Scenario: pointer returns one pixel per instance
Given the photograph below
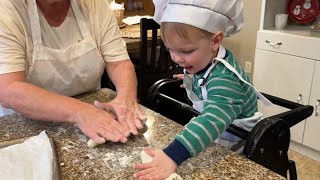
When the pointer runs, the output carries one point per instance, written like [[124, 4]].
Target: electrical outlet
[[247, 68]]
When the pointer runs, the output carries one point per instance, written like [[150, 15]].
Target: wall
[[243, 44], [137, 7]]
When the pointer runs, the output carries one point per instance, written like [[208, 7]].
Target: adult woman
[[52, 49]]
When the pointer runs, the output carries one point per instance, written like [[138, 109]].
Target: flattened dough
[[92, 144], [145, 158]]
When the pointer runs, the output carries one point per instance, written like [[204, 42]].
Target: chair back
[[155, 62], [153, 52]]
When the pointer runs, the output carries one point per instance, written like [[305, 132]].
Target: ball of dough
[[91, 143]]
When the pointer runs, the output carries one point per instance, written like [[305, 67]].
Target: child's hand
[[161, 166], [179, 77]]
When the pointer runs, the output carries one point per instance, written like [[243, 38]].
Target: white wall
[[243, 44]]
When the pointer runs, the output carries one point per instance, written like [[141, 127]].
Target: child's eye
[[187, 52]]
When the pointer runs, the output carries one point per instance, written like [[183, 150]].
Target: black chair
[[268, 142], [106, 82], [154, 62]]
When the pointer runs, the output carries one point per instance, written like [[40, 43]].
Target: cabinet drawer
[[301, 46]]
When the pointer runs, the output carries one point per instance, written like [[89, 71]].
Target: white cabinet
[[287, 65], [312, 128], [284, 76]]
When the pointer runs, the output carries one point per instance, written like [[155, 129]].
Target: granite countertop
[[114, 160]]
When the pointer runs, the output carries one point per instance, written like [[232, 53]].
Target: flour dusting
[[125, 160], [61, 130], [120, 159]]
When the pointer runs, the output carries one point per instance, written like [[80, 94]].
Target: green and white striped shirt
[[228, 99]]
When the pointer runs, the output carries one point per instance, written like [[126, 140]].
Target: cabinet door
[[284, 76], [312, 129]]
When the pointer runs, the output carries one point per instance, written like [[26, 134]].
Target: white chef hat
[[210, 15]]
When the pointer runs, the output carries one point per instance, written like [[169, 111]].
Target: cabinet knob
[[274, 44], [299, 98], [316, 108]]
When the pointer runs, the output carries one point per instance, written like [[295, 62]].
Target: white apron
[[71, 71], [226, 139]]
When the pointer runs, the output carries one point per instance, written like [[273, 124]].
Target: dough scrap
[[150, 118], [145, 158], [91, 143]]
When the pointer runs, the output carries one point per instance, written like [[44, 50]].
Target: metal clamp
[[274, 44], [316, 108]]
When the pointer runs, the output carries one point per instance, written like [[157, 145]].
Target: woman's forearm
[[40, 104], [123, 76]]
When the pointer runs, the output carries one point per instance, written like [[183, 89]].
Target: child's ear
[[217, 40]]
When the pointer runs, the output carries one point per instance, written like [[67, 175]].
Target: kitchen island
[[114, 160]]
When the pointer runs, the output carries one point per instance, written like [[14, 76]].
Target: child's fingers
[[178, 76], [144, 172], [156, 175], [149, 151], [142, 166]]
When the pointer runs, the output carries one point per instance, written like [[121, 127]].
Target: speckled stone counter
[[114, 160]]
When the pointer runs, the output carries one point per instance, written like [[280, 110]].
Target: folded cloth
[[30, 160]]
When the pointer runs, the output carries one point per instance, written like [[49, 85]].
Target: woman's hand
[[126, 111], [161, 166], [99, 125]]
